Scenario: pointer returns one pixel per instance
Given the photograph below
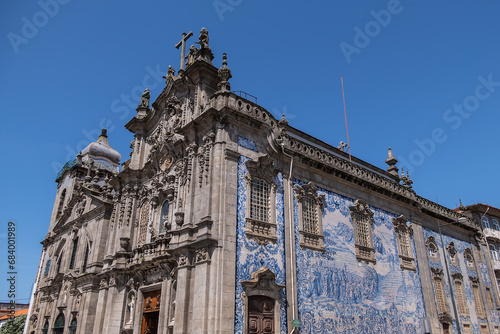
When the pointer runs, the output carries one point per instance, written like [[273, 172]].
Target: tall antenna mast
[[345, 116]]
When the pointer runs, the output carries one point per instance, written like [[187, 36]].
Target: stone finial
[[405, 179], [391, 161], [461, 207], [283, 120], [224, 75]]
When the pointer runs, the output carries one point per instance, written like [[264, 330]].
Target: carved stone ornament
[[103, 284], [179, 218], [112, 281], [445, 318], [124, 244], [263, 169], [435, 272], [183, 260], [202, 255], [453, 253], [167, 162], [457, 276], [262, 282]]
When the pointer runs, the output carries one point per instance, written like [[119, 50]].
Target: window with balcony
[[261, 200]]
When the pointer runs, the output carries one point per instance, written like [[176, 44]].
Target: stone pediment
[[262, 280]]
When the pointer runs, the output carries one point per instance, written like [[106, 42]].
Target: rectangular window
[[309, 215], [84, 267], [490, 298], [440, 295], [47, 268], [467, 328], [259, 200], [73, 254], [477, 300], [462, 304]]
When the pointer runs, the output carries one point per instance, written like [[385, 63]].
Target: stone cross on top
[[183, 49]]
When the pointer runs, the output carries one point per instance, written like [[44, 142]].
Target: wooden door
[[260, 315], [151, 312]]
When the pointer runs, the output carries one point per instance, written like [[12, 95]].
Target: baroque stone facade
[[227, 220]]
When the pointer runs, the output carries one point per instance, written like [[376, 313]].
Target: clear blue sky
[[405, 65]]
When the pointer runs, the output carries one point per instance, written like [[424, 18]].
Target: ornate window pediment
[[432, 248], [362, 221], [452, 252], [403, 237], [261, 200], [469, 259], [310, 215]]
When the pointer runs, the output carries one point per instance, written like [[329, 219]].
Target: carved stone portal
[[261, 300]]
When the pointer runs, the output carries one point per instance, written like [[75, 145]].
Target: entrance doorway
[[151, 312], [260, 315]]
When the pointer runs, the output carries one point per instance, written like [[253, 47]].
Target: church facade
[[228, 220]]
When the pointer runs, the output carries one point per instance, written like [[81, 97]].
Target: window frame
[[403, 230], [362, 218], [308, 194], [262, 232], [431, 243], [485, 222]]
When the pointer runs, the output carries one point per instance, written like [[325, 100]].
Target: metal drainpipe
[[293, 269]]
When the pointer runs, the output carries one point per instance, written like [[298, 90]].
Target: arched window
[[86, 257], [59, 264], [495, 224], [60, 207], [73, 254], [72, 326], [59, 324], [164, 224], [45, 328], [486, 222], [47, 268]]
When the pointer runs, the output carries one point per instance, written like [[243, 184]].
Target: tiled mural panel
[[251, 256], [339, 295], [466, 272]]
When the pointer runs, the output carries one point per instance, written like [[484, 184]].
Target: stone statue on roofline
[[205, 52], [145, 99]]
